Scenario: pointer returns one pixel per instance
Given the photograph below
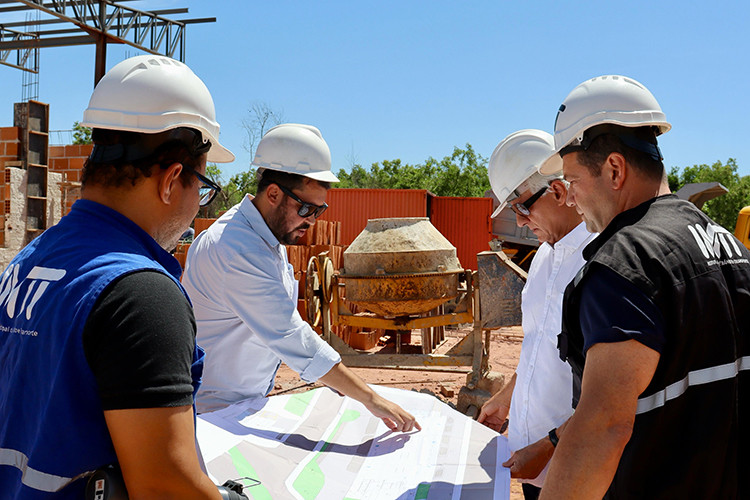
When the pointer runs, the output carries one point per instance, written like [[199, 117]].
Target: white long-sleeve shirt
[[543, 394], [245, 298]]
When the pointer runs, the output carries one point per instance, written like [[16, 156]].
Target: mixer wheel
[[312, 293]]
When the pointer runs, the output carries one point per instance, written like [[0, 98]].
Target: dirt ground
[[505, 347]]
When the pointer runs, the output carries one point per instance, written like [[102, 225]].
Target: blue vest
[[52, 427]]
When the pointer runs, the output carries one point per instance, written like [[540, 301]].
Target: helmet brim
[[219, 154], [551, 165], [499, 209], [325, 176]]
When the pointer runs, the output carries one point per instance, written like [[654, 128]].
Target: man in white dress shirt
[[243, 288], [538, 398]]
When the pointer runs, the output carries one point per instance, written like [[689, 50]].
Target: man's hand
[[342, 380], [493, 414], [529, 462], [393, 416], [495, 410]]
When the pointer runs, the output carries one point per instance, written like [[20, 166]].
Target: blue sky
[[412, 79]]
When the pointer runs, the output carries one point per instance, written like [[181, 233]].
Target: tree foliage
[[722, 209], [462, 173], [232, 191], [81, 134]]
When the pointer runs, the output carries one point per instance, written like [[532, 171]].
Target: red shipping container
[[353, 207], [466, 223]]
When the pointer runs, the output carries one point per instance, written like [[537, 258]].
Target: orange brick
[[9, 133], [56, 151], [72, 150], [76, 163], [59, 164], [73, 175], [11, 149], [86, 149]]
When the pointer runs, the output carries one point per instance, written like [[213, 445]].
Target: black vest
[[691, 430]]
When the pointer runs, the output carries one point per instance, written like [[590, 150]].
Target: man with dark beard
[[243, 288]]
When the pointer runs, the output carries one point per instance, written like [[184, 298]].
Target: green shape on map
[[244, 469], [311, 479], [422, 490], [298, 403]]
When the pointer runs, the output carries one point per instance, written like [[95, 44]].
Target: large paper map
[[319, 445]]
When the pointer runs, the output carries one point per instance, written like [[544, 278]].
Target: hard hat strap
[[127, 147]]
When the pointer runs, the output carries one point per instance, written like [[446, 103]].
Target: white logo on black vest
[[715, 242], [39, 279]]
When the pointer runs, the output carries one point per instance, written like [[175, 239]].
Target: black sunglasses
[[307, 209], [208, 190], [525, 207]]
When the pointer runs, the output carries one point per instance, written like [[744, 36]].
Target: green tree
[[232, 191], [81, 134], [462, 173], [723, 209]]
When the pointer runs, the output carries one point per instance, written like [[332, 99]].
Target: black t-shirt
[[139, 341], [615, 310]]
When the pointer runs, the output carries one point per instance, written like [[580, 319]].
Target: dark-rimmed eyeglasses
[[208, 190], [306, 209], [525, 207]]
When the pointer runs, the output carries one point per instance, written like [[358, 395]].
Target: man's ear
[[167, 186], [559, 192], [274, 195], [616, 170]]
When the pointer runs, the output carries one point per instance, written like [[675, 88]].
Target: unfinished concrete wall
[[15, 218], [68, 161]]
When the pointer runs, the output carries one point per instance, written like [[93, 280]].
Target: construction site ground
[[505, 347]]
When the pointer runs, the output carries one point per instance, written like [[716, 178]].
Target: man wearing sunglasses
[[243, 287], [99, 359], [538, 396]]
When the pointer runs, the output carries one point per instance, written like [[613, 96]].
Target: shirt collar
[[256, 221], [575, 238]]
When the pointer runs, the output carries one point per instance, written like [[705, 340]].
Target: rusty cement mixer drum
[[399, 267]]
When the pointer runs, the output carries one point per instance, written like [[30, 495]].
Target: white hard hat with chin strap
[[152, 94], [614, 100], [295, 149], [514, 160]]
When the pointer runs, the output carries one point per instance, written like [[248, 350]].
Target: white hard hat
[[515, 159], [611, 99], [295, 149], [151, 94]]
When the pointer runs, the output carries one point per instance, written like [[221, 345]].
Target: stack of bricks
[[10, 144], [69, 160], [10, 147]]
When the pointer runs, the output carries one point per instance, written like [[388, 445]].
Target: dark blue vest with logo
[[52, 428], [690, 436]]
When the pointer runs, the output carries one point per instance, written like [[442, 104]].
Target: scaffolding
[[94, 22]]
